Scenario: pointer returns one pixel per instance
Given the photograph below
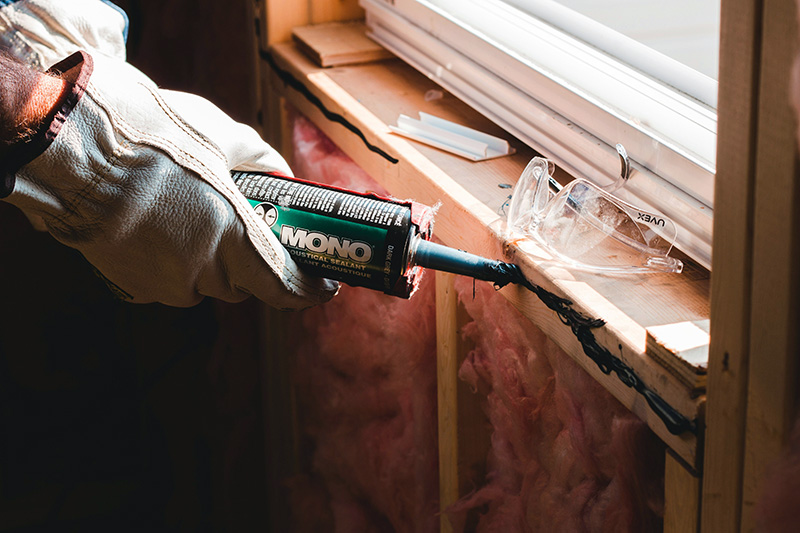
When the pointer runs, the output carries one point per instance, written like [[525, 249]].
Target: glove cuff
[[76, 71]]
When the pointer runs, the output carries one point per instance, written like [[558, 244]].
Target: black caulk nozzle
[[437, 257]]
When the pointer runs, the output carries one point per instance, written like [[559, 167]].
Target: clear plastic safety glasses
[[586, 227]]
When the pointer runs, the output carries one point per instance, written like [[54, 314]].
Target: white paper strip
[[449, 136]]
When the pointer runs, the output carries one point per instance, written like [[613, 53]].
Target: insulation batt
[[564, 454], [366, 387]]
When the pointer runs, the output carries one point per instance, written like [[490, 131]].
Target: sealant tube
[[360, 239]]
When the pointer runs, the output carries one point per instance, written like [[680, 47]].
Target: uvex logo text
[[650, 219]]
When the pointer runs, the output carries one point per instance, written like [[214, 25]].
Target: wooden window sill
[[655, 324]]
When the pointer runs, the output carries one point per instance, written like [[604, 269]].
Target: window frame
[[574, 129], [753, 115]]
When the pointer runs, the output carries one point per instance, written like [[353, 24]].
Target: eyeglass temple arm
[[624, 170], [624, 173]]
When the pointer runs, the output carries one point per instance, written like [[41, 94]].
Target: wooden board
[[351, 106], [464, 430], [681, 498], [732, 251], [775, 310], [447, 396], [338, 43]]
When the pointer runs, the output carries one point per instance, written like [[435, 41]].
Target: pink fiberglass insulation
[[366, 389], [565, 455], [365, 379]]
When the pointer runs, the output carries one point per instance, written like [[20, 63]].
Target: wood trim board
[[338, 43], [732, 249], [775, 311]]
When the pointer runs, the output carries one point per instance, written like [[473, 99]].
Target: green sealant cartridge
[[361, 239]]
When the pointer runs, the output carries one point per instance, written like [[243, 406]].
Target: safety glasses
[[586, 227]]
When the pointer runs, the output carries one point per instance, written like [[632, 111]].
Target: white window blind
[[539, 78]]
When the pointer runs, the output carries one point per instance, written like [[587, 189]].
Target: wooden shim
[[470, 197], [338, 43]]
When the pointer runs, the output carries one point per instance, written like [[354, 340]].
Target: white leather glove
[[43, 32], [138, 180]]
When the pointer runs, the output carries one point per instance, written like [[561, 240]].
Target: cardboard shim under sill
[[451, 137], [682, 348]]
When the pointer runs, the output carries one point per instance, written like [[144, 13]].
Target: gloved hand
[[138, 180], [43, 32]]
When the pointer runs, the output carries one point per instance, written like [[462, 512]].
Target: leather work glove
[[138, 180], [43, 32]]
